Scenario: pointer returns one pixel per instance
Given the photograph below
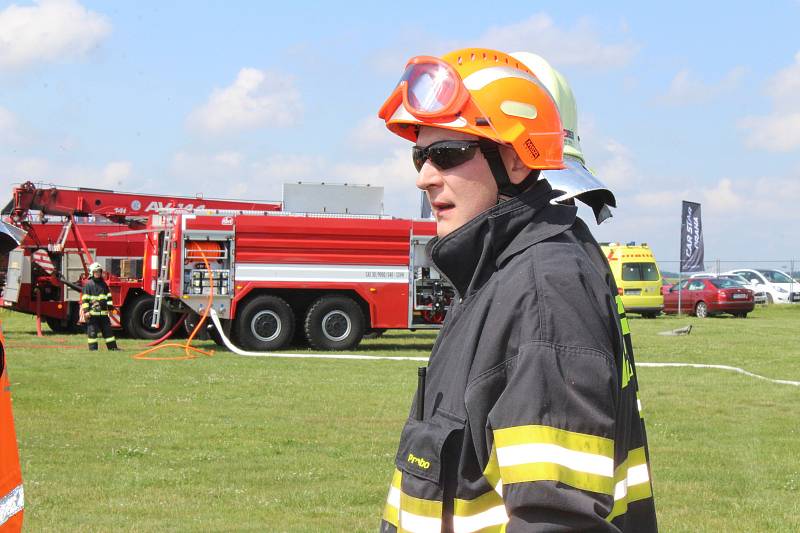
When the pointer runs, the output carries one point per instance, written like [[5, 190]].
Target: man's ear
[[517, 170]]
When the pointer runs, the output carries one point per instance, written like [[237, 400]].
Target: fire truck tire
[[264, 323], [334, 323], [138, 315]]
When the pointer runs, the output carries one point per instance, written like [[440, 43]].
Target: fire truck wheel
[[334, 323], [138, 316], [265, 323]]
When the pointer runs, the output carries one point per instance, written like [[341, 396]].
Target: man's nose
[[428, 176]]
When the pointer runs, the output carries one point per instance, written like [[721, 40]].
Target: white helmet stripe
[[480, 79], [401, 113]]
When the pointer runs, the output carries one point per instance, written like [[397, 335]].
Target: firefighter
[[527, 418], [96, 303], [11, 492]]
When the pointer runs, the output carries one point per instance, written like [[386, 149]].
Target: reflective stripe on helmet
[[480, 79]]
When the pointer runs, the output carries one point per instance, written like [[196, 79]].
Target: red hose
[[168, 334]]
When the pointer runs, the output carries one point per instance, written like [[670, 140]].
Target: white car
[[780, 288]]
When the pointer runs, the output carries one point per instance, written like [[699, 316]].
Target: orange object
[[11, 493], [481, 92]]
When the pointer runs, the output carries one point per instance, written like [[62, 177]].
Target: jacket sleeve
[[551, 437]]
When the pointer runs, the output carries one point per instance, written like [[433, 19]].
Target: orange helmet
[[482, 92]]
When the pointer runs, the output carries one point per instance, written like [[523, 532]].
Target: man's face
[[459, 194], [98, 273]]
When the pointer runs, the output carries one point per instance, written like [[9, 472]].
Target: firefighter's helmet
[[481, 92], [94, 267], [575, 180]]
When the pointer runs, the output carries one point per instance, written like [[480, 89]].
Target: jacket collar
[[471, 254]]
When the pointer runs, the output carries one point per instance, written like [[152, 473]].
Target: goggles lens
[[431, 86], [444, 154]]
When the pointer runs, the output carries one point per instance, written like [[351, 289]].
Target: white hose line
[[238, 351], [721, 367]]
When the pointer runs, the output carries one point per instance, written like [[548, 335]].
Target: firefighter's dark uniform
[[96, 302], [531, 414]]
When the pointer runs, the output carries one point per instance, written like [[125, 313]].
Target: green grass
[[249, 444]]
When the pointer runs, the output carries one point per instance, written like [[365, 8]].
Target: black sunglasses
[[444, 154]]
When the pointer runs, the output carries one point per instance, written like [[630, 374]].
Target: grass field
[[229, 443]]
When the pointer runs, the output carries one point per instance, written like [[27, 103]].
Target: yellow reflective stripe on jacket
[[543, 453], [89, 297], [98, 313], [85, 306], [391, 512], [408, 513], [626, 329], [492, 472], [484, 514], [631, 482]]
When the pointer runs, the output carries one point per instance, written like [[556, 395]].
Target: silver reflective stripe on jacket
[[11, 504]]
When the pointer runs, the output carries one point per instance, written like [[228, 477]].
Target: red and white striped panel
[[42, 258]]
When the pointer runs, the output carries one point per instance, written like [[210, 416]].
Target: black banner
[[691, 238]]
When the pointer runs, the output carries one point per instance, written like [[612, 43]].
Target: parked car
[[709, 296], [759, 296], [777, 285]]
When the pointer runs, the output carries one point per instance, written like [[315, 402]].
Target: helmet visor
[[431, 87]]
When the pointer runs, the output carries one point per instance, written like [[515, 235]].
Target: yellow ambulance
[[637, 277]]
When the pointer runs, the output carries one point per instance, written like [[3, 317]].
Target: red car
[[709, 296]]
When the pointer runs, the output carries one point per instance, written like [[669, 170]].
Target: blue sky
[[691, 100]]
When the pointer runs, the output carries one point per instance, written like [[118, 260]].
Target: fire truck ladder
[[163, 273]]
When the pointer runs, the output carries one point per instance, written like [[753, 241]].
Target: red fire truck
[[87, 225], [276, 277]]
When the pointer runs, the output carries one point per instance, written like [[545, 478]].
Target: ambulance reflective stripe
[[479, 514], [410, 514], [542, 453], [631, 482], [11, 504]]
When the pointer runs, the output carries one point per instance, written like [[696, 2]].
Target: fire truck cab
[[275, 277]]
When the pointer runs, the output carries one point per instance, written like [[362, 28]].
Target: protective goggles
[[429, 88], [444, 154]]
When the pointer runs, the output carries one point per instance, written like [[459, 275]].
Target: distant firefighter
[[96, 303]]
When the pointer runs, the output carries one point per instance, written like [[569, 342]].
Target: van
[[637, 277]]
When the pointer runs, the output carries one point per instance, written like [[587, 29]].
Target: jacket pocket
[[422, 443]]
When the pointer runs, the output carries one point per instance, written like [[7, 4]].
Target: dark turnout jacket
[[531, 419], [96, 298]]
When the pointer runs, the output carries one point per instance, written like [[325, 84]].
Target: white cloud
[[615, 165], [257, 98], [685, 89], [778, 131], [49, 30], [576, 45], [116, 174], [785, 86], [395, 173], [370, 134], [722, 198]]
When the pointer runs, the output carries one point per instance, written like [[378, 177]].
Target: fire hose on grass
[[190, 352]]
